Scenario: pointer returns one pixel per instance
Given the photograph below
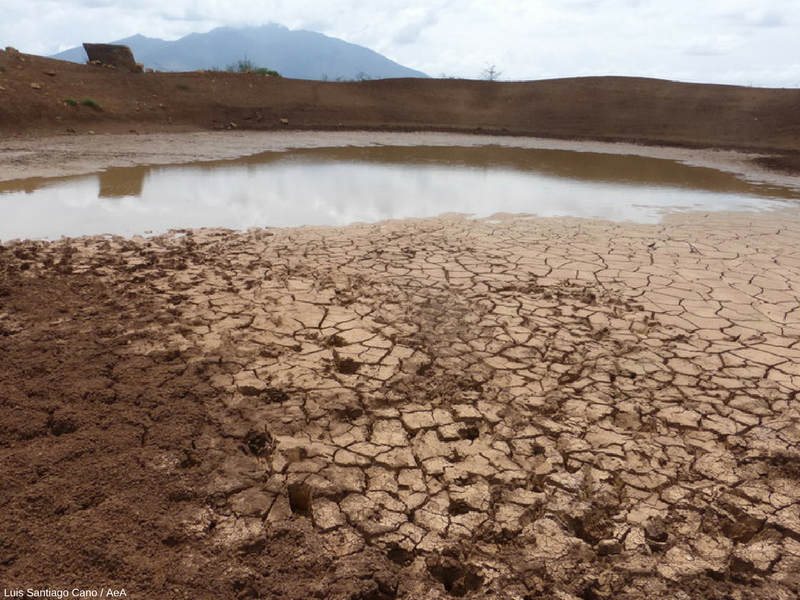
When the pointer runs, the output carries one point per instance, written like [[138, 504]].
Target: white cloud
[[748, 41], [714, 45]]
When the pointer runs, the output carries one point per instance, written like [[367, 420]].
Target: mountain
[[293, 53]]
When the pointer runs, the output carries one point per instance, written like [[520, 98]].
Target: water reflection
[[336, 186], [118, 183]]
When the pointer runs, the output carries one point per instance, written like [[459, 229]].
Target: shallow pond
[[337, 186]]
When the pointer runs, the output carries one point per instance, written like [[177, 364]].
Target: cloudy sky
[[748, 42]]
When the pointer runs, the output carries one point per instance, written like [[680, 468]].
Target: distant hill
[[299, 54]]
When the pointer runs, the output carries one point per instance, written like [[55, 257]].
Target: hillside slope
[[603, 108], [299, 54]]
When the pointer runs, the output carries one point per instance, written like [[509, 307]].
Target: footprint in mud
[[258, 443], [301, 498], [61, 424], [400, 556], [345, 365], [457, 577]]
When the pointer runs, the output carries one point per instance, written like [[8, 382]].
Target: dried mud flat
[[516, 408]]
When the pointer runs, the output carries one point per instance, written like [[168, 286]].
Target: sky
[[743, 42]]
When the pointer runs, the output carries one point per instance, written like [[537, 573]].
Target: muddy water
[[337, 186]]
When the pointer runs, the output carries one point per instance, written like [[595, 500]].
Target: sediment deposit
[[516, 407]]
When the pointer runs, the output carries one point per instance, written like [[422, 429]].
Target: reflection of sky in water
[[289, 193]]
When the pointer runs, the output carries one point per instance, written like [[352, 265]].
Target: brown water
[[337, 186]]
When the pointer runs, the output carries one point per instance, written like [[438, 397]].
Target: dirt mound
[[41, 95]]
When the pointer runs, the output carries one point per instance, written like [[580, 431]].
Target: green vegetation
[[241, 66], [247, 66], [183, 86], [85, 102], [91, 104], [360, 76], [2, 68], [266, 72]]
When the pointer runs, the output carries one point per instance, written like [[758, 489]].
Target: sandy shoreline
[[79, 154]]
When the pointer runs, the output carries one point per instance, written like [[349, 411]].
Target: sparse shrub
[[360, 76], [71, 101], [2, 68], [266, 72], [491, 73], [242, 66], [182, 86], [246, 66], [91, 104]]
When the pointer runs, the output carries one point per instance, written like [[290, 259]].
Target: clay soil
[[35, 94], [423, 409], [439, 408]]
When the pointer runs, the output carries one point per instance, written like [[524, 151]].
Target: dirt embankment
[[37, 94]]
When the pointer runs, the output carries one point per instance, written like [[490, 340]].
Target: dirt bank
[[44, 96], [55, 156], [533, 408]]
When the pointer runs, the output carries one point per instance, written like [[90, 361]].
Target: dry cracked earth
[[517, 408]]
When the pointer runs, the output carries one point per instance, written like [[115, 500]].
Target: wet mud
[[37, 158], [515, 408]]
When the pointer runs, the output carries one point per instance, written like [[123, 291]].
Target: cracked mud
[[522, 408]]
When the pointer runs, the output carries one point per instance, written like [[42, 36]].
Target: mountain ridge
[[299, 54]]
